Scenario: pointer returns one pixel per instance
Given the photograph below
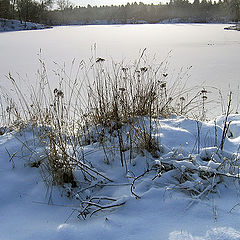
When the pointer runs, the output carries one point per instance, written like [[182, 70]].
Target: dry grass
[[115, 104], [116, 107]]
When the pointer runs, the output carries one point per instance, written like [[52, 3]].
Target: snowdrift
[[187, 189]]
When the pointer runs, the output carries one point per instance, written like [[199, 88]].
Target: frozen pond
[[212, 51]]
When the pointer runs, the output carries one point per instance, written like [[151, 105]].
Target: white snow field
[[212, 51], [209, 52], [163, 204]]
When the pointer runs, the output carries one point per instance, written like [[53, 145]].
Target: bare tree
[[63, 4], [235, 9]]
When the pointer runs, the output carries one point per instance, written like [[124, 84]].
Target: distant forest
[[64, 12]]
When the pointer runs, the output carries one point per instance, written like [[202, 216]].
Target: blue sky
[[110, 2]]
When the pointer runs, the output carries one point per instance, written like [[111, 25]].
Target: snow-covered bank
[[106, 22], [234, 27], [178, 203], [16, 25], [132, 21]]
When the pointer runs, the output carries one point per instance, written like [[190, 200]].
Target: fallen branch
[[92, 207], [135, 179], [234, 207], [84, 166]]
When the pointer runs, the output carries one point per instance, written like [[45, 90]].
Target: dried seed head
[[163, 84], [122, 89], [182, 99], [143, 69], [55, 91], [100, 60], [60, 94]]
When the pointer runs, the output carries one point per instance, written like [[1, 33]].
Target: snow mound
[[234, 27], [15, 25], [189, 184], [234, 124], [223, 233]]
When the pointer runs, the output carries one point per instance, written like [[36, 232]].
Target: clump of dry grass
[[126, 92], [113, 104]]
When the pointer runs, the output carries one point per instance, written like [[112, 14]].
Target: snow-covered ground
[[176, 201], [234, 27], [16, 25], [175, 204]]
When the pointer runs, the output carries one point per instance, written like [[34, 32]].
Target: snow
[[202, 45], [32, 209], [235, 27], [215, 233], [234, 124], [16, 25]]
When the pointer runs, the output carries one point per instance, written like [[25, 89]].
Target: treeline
[[175, 10], [26, 10]]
